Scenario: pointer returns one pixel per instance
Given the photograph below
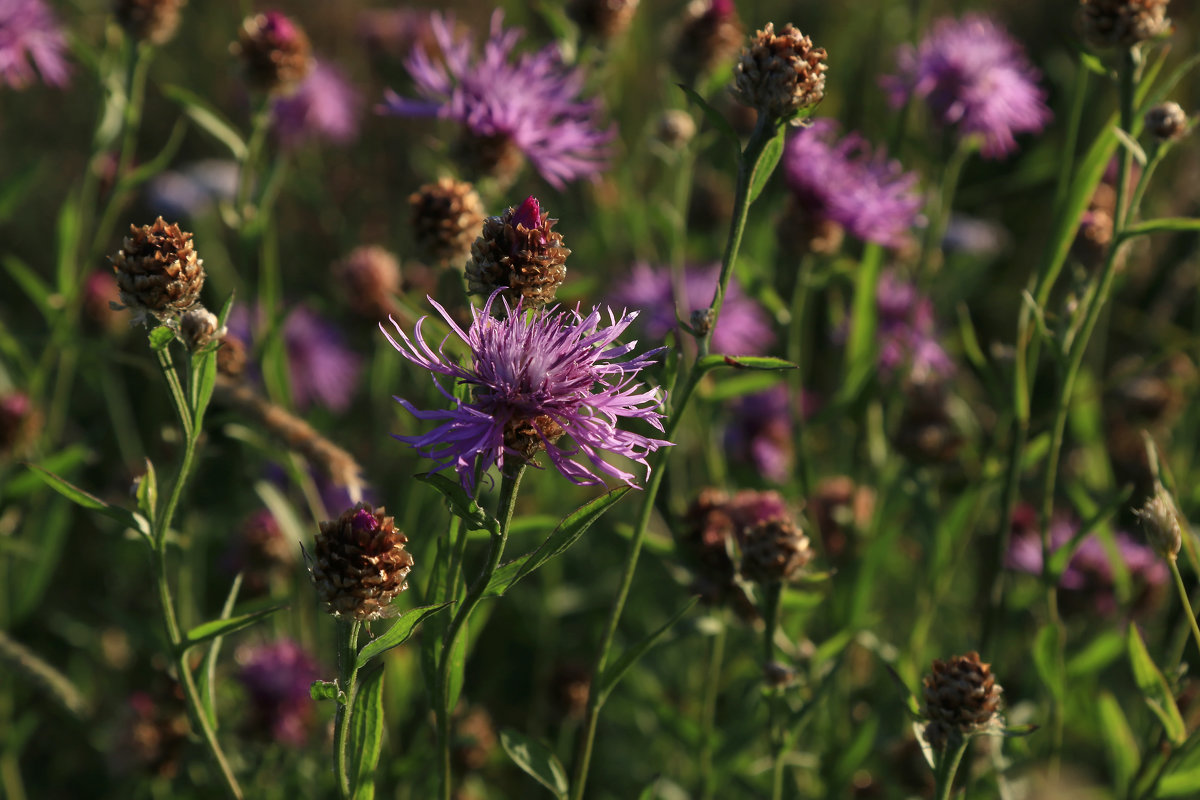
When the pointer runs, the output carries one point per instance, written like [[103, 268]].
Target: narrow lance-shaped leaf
[[223, 627], [91, 502], [537, 760], [1154, 687], [614, 672], [714, 117], [398, 634], [461, 505], [366, 733], [743, 362], [767, 162]]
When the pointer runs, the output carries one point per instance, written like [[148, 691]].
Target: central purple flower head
[[531, 101], [971, 73], [843, 181], [29, 37], [540, 374]]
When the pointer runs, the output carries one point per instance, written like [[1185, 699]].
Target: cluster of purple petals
[[30, 37], [743, 328], [277, 677], [322, 369], [559, 364], [760, 432], [531, 99], [1090, 570], [843, 181], [972, 74], [325, 106], [907, 331]]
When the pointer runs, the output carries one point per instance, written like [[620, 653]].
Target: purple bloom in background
[[193, 189], [907, 332], [29, 37], [323, 370], [324, 106], [277, 677], [760, 432], [843, 181], [743, 328], [530, 101], [535, 377], [972, 74], [1089, 573]]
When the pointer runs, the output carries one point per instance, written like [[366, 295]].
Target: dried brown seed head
[[780, 74], [1122, 23], [519, 250], [604, 19], [446, 217], [359, 564], [773, 550], [275, 52], [961, 698], [369, 277], [153, 21], [158, 270], [710, 36]]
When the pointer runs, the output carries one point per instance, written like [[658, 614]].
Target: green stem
[[347, 652], [260, 125], [509, 485], [947, 765], [772, 596], [1183, 598], [708, 714]]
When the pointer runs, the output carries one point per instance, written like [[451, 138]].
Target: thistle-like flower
[[973, 75], [158, 270], [780, 74], [518, 252], [961, 698], [30, 37], [151, 21], [510, 107], [275, 52], [359, 564], [446, 218], [534, 378], [1122, 23], [843, 182]]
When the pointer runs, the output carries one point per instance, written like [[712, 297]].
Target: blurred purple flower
[[843, 181], [324, 106], [323, 370], [760, 432], [971, 73], [534, 377], [29, 37], [1089, 572], [277, 677], [530, 101], [742, 329], [907, 332]]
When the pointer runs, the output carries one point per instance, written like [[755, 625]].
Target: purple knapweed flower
[[323, 370], [907, 332], [325, 106], [277, 677], [743, 328], [30, 37], [972, 74], [843, 181], [536, 376], [530, 101], [760, 432], [1089, 574]]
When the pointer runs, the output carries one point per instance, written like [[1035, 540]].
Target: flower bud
[[360, 565], [780, 74], [604, 19], [961, 698], [151, 21], [1166, 122], [446, 217], [773, 550], [710, 36], [675, 128], [1160, 519], [20, 423], [369, 277], [1122, 23], [517, 249], [158, 270], [275, 52], [199, 326]]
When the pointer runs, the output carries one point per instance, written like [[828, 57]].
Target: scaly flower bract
[[843, 181], [531, 100], [972, 74], [545, 370], [29, 37]]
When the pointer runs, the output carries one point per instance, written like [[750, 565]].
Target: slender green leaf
[[715, 118], [1045, 658], [208, 671], [1154, 687], [15, 188], [31, 284], [1102, 651], [1119, 741], [91, 502], [860, 360], [767, 162], [458, 664], [67, 236], [223, 627], [1062, 556], [742, 362], [209, 119], [204, 366], [366, 734], [22, 484], [537, 760], [404, 627], [1182, 783], [160, 337], [147, 493], [461, 505], [615, 671], [566, 534], [1163, 225], [161, 160], [1132, 145], [324, 690]]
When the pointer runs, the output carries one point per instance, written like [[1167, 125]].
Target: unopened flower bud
[[151, 21], [1160, 519], [780, 74], [519, 250], [709, 37], [20, 422], [604, 19], [1122, 23], [1166, 122], [701, 321], [773, 550], [369, 277], [275, 52], [778, 676], [199, 326], [961, 698], [231, 356], [359, 564], [675, 128], [446, 217], [158, 270]]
